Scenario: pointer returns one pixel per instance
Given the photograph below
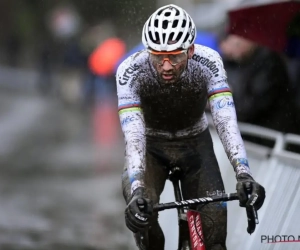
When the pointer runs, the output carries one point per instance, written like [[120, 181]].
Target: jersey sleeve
[[224, 117], [132, 123]]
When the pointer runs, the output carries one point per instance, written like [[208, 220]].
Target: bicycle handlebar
[[198, 201], [250, 210]]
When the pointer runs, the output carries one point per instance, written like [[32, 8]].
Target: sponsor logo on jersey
[[241, 161], [128, 72], [211, 65], [127, 120], [125, 97], [224, 102]]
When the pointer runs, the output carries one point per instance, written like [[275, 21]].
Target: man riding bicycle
[[162, 95]]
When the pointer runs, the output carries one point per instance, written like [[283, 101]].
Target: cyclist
[[162, 94]]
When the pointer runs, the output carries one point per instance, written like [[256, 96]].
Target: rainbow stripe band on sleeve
[[128, 110], [129, 107], [219, 92]]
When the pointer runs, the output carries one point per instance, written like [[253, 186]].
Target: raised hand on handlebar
[[138, 212], [250, 192]]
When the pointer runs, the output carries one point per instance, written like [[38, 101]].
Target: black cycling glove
[[138, 212], [249, 191]]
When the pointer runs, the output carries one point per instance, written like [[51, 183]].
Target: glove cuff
[[242, 169], [140, 191], [135, 185], [244, 177]]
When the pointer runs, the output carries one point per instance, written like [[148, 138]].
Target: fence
[[278, 170], [274, 166]]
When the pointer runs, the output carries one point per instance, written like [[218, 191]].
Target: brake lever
[[252, 215], [252, 219], [144, 237]]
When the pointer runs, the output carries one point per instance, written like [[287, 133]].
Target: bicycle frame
[[193, 239], [189, 221], [195, 228], [183, 239]]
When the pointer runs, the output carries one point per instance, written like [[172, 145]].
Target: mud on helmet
[[169, 28]]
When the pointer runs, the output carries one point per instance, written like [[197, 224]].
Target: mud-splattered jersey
[[148, 107]]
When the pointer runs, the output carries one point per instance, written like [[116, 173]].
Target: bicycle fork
[[183, 239], [189, 222], [196, 232]]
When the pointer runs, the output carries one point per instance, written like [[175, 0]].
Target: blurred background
[[61, 147]]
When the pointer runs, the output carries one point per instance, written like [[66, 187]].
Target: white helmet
[[169, 28]]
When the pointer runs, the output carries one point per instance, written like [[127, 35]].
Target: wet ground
[[54, 194]]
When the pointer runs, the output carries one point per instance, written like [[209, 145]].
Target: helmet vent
[[151, 37], [179, 36], [186, 38], [175, 23], [165, 24], [168, 13], [172, 36]]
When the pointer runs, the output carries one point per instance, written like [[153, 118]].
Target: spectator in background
[[260, 83], [100, 91], [60, 51], [100, 85]]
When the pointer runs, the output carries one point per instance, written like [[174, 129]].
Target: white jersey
[[147, 107]]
